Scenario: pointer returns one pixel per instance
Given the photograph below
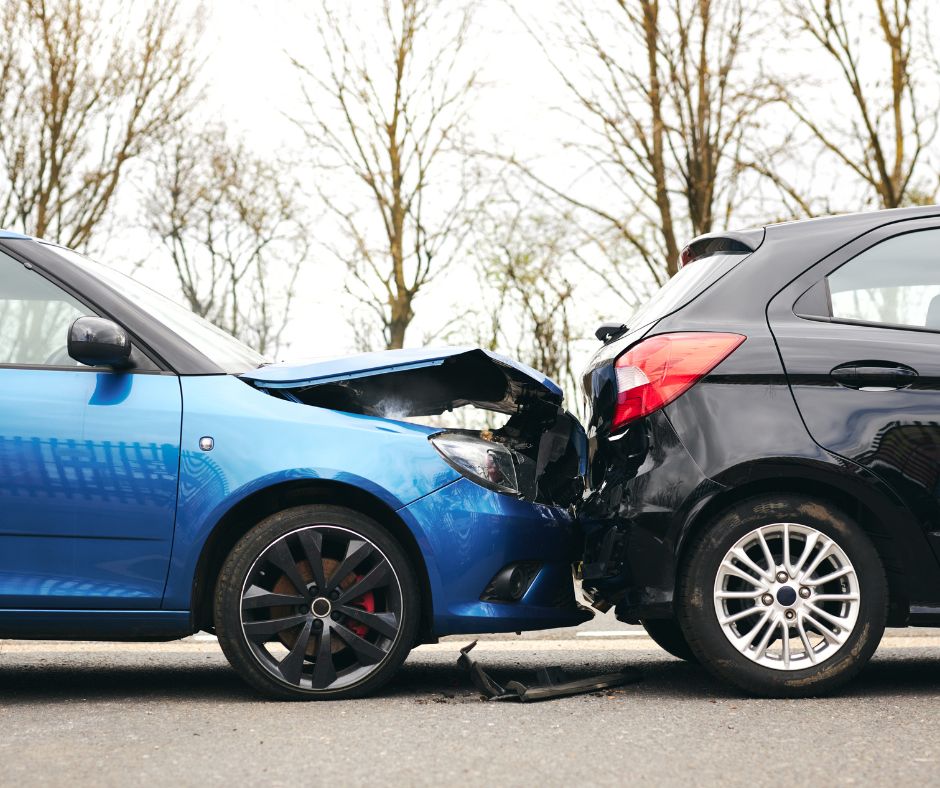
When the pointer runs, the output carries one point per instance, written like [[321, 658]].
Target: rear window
[[692, 280], [895, 282]]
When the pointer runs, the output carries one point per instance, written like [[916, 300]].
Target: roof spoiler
[[735, 242]]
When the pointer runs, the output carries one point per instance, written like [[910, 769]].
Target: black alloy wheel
[[316, 602]]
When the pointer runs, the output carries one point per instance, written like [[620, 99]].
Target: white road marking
[[209, 645]]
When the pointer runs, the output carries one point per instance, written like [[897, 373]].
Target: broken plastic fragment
[[551, 682]]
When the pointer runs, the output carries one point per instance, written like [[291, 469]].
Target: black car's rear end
[[641, 473], [700, 462]]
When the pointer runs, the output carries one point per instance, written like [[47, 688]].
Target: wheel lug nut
[[317, 624], [767, 599], [805, 592], [334, 616], [782, 577], [334, 595], [790, 615]]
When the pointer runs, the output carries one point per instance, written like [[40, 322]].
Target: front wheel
[[784, 596], [316, 602]]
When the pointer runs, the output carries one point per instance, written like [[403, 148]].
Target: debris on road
[[551, 682]]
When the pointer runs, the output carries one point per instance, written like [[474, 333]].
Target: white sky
[[251, 85]]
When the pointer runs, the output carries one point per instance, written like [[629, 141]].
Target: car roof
[[10, 235], [883, 216]]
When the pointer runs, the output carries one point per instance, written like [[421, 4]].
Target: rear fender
[[894, 531]]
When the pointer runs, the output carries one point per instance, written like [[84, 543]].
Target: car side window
[[895, 282], [35, 316]]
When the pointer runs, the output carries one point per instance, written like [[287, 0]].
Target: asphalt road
[[175, 714]]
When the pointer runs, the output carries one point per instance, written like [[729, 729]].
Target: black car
[[765, 450]]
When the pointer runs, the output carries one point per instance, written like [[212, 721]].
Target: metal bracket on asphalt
[[551, 682]]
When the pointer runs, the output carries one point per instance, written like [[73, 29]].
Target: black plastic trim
[[86, 368], [814, 303]]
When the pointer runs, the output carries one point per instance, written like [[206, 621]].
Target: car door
[[89, 462], [859, 336]]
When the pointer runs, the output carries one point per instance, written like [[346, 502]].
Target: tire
[[316, 603], [667, 634], [833, 624]]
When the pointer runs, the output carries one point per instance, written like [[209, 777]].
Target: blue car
[[158, 477]]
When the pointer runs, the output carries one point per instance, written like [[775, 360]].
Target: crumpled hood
[[419, 382]]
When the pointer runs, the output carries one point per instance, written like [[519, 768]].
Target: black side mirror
[[98, 342]]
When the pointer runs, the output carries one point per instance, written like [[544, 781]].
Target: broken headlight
[[484, 462]]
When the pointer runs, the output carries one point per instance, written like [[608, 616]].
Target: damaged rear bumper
[[635, 521], [469, 534]]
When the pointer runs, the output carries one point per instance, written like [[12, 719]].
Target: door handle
[[874, 375]]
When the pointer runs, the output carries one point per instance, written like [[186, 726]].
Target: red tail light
[[653, 373]]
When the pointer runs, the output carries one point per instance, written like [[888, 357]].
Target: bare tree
[[526, 264], [664, 98], [885, 90], [387, 114], [85, 88], [233, 231]]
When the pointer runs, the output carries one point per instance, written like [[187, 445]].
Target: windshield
[[215, 344], [692, 280]]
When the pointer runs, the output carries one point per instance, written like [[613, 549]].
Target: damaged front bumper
[[471, 535]]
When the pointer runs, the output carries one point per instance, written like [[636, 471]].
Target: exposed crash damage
[[537, 454], [551, 683]]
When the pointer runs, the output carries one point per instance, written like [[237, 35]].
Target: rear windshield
[[692, 280]]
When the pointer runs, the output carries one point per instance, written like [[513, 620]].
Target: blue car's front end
[[493, 556]]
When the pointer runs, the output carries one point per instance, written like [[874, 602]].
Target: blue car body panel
[[89, 463], [261, 441]]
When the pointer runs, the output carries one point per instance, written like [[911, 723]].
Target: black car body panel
[[769, 418]]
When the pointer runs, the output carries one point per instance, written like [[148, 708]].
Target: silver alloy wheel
[[321, 608], [787, 596]]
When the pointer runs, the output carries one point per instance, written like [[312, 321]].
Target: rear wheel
[[784, 596], [316, 602], [667, 634]]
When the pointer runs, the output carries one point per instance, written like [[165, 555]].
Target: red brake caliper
[[367, 603]]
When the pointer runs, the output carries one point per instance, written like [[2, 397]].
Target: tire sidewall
[[699, 619], [235, 569], [667, 634]]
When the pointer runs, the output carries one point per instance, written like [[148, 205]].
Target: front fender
[[261, 441]]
